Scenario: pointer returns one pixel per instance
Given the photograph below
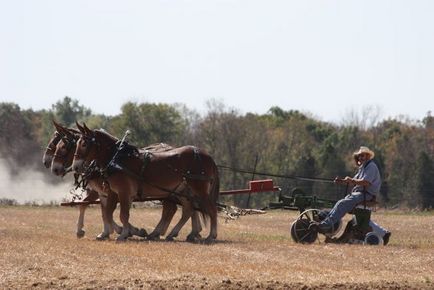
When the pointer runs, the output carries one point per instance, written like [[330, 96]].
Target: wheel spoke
[[305, 236]]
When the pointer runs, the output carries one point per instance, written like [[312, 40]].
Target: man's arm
[[352, 181]]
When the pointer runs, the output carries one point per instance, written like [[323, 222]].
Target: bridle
[[117, 146], [69, 144], [90, 141], [91, 168], [54, 142]]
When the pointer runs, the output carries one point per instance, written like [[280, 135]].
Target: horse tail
[[215, 190], [208, 203], [213, 194]]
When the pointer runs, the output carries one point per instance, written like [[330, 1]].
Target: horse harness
[[124, 150]]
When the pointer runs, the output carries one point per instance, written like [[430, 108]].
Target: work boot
[[321, 228], [313, 226], [386, 238]]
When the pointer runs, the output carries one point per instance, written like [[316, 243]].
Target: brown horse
[[68, 136], [47, 158], [158, 176], [63, 159]]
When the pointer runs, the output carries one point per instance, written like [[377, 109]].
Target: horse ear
[[58, 126], [87, 130], [69, 133], [60, 129], [65, 132], [80, 127]]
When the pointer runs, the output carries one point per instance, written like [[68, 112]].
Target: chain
[[232, 212]]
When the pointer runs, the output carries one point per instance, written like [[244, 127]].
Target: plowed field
[[39, 249]]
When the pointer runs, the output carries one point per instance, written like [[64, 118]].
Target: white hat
[[364, 149]]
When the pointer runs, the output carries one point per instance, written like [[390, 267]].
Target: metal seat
[[369, 203], [365, 204]]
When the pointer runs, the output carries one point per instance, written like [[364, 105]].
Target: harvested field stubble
[[39, 249]]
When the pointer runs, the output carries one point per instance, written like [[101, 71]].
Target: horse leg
[[213, 232], [91, 195], [169, 210], [135, 231], [197, 223], [187, 211], [201, 189], [80, 222], [107, 230], [124, 216], [196, 228], [112, 201]]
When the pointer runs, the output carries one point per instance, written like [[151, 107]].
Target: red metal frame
[[254, 187]]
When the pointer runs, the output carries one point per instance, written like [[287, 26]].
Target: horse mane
[[126, 147], [74, 131], [104, 132]]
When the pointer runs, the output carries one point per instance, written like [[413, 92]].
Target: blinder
[[89, 141], [54, 142], [69, 145]]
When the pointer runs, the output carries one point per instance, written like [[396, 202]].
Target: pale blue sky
[[324, 57]]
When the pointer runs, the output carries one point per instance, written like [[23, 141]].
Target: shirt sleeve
[[370, 173]]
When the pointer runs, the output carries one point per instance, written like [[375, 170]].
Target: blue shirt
[[369, 172]]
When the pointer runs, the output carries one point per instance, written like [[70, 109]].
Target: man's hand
[[338, 180], [347, 179]]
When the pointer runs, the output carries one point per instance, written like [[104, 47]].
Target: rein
[[141, 179], [296, 177], [113, 164]]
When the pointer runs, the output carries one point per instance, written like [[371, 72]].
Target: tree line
[[284, 142]]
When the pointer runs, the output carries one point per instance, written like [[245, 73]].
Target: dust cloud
[[27, 185]]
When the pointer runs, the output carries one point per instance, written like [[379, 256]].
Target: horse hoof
[[192, 238], [123, 238], [80, 234], [170, 239], [142, 233], [102, 237], [153, 237], [209, 241]]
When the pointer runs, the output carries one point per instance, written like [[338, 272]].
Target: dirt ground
[[39, 250]]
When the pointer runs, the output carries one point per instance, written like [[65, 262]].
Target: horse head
[[93, 145], [51, 147], [64, 153]]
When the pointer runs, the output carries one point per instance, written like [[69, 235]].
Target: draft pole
[[253, 177]]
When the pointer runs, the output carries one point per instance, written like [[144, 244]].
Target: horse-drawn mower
[[313, 210]]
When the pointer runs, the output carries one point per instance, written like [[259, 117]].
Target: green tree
[[150, 123], [68, 111], [425, 180], [18, 144]]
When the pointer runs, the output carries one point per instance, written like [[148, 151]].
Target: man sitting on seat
[[367, 183]]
